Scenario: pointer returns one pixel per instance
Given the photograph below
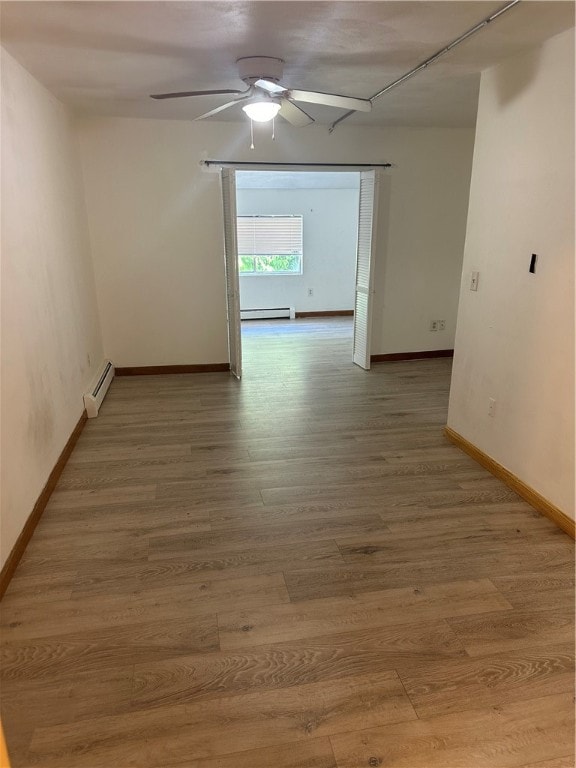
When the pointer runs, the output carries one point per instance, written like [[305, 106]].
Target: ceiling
[[105, 58]]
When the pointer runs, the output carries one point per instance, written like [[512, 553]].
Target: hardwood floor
[[292, 571]]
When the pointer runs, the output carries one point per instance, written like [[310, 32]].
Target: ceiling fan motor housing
[[253, 68]]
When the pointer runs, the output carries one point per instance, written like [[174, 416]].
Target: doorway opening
[[296, 239], [299, 257]]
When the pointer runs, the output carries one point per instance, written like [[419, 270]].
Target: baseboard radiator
[[268, 314], [93, 399]]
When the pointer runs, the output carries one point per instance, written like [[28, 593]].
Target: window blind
[[269, 235]]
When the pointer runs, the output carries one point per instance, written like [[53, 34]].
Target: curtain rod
[[244, 164]]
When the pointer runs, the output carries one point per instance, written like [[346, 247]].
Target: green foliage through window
[[272, 264]]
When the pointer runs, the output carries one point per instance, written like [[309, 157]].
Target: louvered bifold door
[[367, 212], [231, 261]]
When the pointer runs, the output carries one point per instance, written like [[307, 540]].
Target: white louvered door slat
[[231, 261], [367, 213]]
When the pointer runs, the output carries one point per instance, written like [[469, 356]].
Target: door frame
[[228, 191], [228, 182], [367, 241]]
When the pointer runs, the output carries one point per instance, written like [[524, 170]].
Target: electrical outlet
[[441, 325], [474, 277], [433, 325], [491, 406], [310, 292]]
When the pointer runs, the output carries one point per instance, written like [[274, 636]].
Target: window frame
[[275, 273]]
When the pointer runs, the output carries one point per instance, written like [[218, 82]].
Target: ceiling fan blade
[[294, 115], [332, 100], [182, 94], [268, 85], [222, 108]]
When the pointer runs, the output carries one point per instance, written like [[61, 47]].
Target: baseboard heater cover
[[271, 313], [93, 399]]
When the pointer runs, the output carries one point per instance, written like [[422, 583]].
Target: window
[[269, 245]]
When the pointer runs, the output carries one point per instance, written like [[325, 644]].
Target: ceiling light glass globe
[[262, 111]]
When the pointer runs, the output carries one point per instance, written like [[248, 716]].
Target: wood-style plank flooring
[[292, 571]]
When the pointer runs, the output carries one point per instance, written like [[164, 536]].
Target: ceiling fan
[[264, 98]]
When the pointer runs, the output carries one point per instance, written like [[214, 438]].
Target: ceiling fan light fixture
[[262, 110]]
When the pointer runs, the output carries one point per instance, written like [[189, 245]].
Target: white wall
[[330, 223], [515, 339], [51, 343], [420, 278], [155, 222]]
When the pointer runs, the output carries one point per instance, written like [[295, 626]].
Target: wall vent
[[93, 399]]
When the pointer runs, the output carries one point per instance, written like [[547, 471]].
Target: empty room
[[287, 386], [296, 237]]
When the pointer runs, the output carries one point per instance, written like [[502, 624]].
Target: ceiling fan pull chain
[[273, 127], [251, 134]]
